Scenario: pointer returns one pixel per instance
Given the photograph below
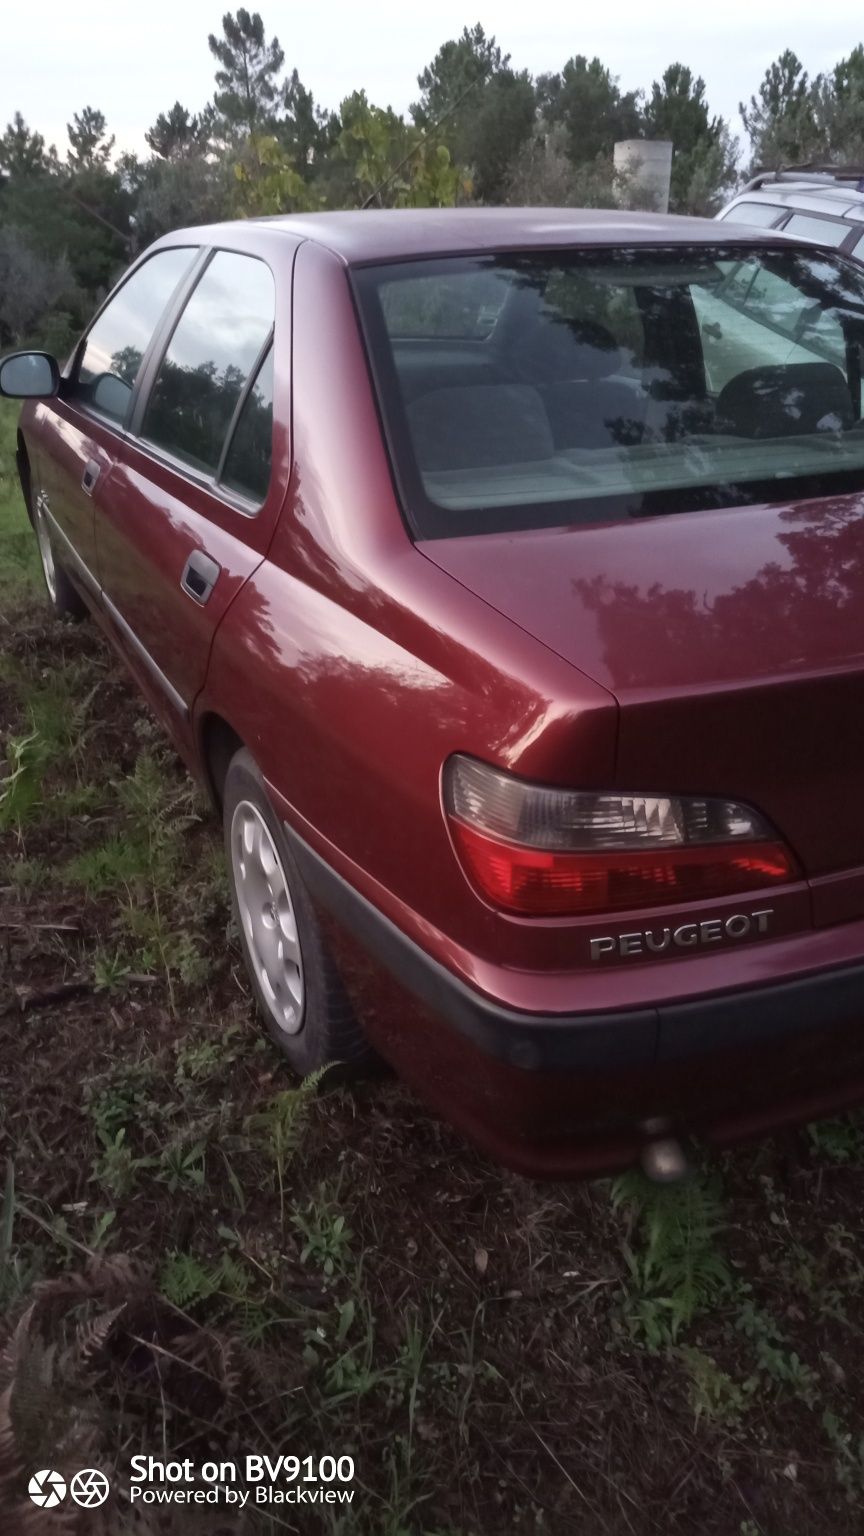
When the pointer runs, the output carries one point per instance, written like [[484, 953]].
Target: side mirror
[[29, 376]]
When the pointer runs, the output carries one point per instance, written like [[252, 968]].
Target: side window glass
[[247, 464], [762, 214], [824, 230], [116, 342], [216, 344]]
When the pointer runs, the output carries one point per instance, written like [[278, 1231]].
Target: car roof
[[806, 195], [370, 235]]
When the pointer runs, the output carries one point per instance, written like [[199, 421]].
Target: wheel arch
[[217, 743]]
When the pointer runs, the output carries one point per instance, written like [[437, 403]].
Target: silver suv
[[820, 203]]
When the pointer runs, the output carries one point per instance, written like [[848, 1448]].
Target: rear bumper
[[585, 1042], [567, 1095]]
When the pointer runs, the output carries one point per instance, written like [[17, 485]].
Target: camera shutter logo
[[90, 1488], [47, 1489]]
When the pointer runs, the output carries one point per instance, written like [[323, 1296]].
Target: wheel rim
[[267, 916], [46, 553]]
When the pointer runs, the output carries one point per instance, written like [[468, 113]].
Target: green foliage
[[775, 1361], [485, 109], [704, 154], [585, 101], [19, 567], [839, 1140], [326, 1239], [186, 1281], [848, 1448], [20, 786], [280, 1125], [116, 1166], [714, 1395], [247, 77], [181, 1165], [389, 162], [267, 181], [109, 971], [178, 133], [677, 1270]]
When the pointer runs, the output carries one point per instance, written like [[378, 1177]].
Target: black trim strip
[[597, 1042], [174, 698]]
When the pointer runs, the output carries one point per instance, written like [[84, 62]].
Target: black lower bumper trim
[[596, 1042]]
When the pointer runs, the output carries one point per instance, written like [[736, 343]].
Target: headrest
[[788, 400], [479, 425]]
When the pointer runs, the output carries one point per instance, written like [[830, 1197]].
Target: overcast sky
[[135, 61]]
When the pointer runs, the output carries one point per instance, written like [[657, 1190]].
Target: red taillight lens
[[548, 852]]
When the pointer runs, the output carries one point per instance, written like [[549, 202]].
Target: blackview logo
[[656, 941]]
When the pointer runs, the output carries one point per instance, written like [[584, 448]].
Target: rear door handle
[[200, 574], [92, 471]]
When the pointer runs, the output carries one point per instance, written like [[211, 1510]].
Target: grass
[[19, 566], [201, 1257]]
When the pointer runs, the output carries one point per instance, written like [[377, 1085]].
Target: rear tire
[[297, 988], [64, 598]]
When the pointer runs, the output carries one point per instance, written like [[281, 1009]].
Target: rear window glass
[[620, 384]]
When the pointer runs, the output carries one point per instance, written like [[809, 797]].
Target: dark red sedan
[[502, 573]]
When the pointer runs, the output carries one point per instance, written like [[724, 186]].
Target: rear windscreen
[[524, 391]]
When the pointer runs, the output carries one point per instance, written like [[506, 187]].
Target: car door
[[81, 430], [191, 503]]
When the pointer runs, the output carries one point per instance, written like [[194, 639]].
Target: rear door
[[192, 501], [82, 430]]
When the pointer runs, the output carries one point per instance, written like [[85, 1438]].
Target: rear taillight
[[539, 851]]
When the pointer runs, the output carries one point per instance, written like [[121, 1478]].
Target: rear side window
[[808, 227], [116, 342], [216, 345], [624, 383]]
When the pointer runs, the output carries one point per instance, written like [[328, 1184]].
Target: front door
[[81, 431], [190, 505]]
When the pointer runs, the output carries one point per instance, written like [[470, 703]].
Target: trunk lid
[[733, 641]]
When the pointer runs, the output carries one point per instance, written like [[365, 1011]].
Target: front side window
[[114, 347], [216, 344], [622, 384]]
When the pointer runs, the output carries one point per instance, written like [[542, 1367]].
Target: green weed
[[678, 1269]]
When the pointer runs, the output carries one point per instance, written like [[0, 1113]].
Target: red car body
[[703, 653]]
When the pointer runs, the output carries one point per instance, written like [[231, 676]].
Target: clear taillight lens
[[538, 850]]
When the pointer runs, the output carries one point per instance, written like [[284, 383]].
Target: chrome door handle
[[200, 575], [92, 471]]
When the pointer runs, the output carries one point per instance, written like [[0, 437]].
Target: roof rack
[[812, 173]]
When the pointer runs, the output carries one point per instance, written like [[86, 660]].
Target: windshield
[[525, 391]]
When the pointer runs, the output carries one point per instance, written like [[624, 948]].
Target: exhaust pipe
[[662, 1158]]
